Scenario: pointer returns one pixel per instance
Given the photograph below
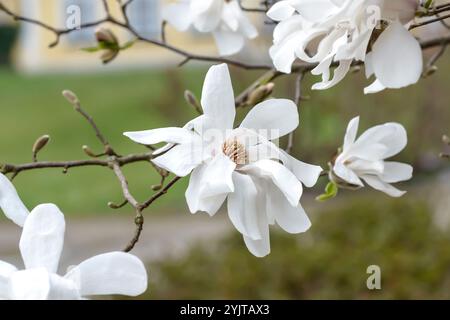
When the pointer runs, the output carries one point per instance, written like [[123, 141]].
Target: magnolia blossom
[[223, 18], [261, 183], [343, 31], [41, 245], [363, 158]]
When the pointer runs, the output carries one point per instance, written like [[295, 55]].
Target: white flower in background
[[344, 31], [363, 158], [223, 18], [262, 183], [41, 245]]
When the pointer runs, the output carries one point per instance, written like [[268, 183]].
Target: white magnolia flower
[[223, 18], [344, 31], [363, 158], [41, 245], [262, 183]]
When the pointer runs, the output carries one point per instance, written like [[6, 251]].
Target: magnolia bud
[[156, 187], [446, 139], [192, 100], [71, 97], [430, 71], [88, 151], [260, 93], [40, 143], [106, 35], [109, 55]]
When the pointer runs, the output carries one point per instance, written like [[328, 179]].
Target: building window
[[145, 17], [89, 12]]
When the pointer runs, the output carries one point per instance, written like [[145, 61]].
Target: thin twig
[[298, 97]]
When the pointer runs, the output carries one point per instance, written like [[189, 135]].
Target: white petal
[[63, 289], [175, 14], [284, 179], [396, 172], [210, 184], [396, 141], [245, 25], [307, 173], [286, 28], [218, 176], [243, 206], [170, 135], [228, 42], [346, 174], [42, 238], [218, 97], [391, 135], [375, 87], [283, 53], [181, 159], [275, 118], [230, 15], [397, 57], [31, 284], [12, 206], [350, 134], [362, 166], [339, 74], [377, 184], [261, 247], [280, 11], [6, 269], [110, 273], [292, 219], [206, 14]]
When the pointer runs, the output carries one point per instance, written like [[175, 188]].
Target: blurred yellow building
[[32, 54]]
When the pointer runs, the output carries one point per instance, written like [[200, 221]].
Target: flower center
[[235, 150]]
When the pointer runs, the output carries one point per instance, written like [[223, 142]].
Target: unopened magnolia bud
[[446, 139], [260, 93], [71, 97], [89, 151], [109, 55], [192, 100], [156, 187], [40, 143], [112, 205], [106, 35]]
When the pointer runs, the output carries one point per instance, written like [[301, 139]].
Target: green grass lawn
[[122, 101]]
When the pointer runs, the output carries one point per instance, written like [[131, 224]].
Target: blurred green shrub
[[328, 262]]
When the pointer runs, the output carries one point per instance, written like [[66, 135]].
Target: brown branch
[[147, 203], [125, 160], [427, 22]]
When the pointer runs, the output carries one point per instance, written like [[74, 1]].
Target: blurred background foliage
[[328, 262]]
